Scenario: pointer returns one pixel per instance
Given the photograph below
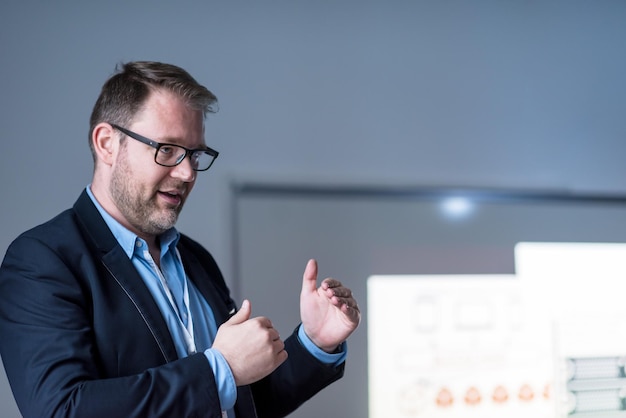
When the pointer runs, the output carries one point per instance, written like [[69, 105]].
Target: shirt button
[[138, 244]]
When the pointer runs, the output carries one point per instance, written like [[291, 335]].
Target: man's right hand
[[251, 346]]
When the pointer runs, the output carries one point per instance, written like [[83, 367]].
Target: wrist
[[307, 339], [319, 353]]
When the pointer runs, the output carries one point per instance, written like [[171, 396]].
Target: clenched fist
[[251, 346]]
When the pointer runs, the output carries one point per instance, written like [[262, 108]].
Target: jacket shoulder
[[54, 231]]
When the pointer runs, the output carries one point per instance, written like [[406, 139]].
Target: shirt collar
[[127, 239]]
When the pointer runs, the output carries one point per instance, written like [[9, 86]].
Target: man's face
[[150, 196]]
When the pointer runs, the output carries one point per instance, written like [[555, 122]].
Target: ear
[[105, 143]]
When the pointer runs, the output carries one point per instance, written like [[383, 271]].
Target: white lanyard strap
[[187, 331]]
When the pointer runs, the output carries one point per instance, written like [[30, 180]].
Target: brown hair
[[125, 92]]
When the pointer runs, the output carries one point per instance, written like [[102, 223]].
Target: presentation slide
[[456, 346]]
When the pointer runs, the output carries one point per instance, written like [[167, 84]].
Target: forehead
[[169, 118], [164, 104]]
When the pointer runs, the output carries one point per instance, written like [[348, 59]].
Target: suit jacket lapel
[[124, 273], [202, 280]]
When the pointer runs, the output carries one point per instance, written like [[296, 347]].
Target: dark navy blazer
[[81, 336]]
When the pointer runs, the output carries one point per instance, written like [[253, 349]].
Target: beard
[[139, 205]]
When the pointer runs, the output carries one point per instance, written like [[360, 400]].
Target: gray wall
[[516, 94]]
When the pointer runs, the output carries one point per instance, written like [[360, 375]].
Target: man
[[108, 311]]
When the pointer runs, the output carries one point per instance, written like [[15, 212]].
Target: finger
[[264, 322], [343, 304], [350, 301], [350, 308], [341, 292], [281, 357], [309, 278], [351, 305], [274, 334], [330, 283], [279, 345], [242, 315], [353, 315]]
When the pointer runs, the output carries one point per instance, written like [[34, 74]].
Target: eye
[[167, 150]]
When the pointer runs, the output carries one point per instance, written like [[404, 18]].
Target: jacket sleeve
[[49, 350], [294, 382]]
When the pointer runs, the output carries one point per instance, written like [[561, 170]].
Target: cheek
[[151, 173]]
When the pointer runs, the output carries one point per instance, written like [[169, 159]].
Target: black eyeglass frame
[[157, 146]]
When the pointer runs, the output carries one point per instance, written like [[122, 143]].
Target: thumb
[[309, 278], [242, 314]]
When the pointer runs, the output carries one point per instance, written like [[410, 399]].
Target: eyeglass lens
[[171, 155]]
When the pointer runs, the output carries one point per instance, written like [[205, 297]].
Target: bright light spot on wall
[[457, 207]]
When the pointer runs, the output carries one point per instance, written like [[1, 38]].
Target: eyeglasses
[[170, 155]]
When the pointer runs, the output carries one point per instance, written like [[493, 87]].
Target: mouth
[[172, 197]]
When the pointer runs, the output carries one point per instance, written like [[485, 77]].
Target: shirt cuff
[[226, 387], [335, 358]]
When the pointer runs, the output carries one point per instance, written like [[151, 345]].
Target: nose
[[184, 171]]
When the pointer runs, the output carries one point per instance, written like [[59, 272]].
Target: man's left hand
[[329, 313]]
